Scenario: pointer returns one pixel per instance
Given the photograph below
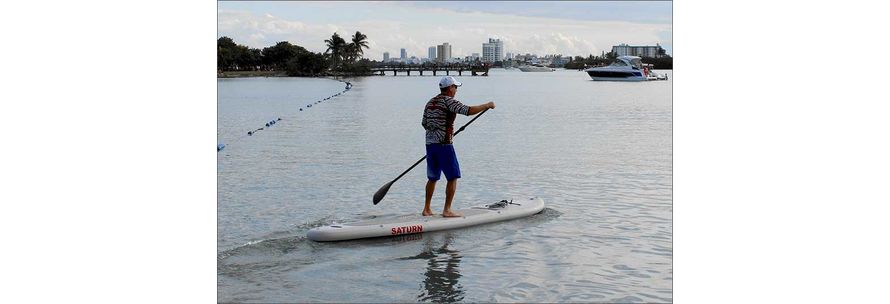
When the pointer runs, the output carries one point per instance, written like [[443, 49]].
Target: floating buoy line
[[271, 123]]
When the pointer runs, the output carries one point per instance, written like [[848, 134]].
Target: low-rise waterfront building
[[623, 49]]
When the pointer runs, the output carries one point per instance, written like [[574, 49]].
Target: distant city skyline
[[567, 28]]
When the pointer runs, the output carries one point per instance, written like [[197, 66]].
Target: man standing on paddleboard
[[438, 120]]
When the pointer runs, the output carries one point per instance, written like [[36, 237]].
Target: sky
[[574, 28]]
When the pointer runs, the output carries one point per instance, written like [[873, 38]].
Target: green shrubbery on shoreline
[[340, 58]]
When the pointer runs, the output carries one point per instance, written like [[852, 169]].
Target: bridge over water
[[433, 69]]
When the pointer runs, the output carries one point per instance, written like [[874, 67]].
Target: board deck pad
[[417, 223]]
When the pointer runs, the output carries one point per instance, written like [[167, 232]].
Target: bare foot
[[427, 212], [448, 213]]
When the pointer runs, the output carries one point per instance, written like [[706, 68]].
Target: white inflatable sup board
[[417, 223]]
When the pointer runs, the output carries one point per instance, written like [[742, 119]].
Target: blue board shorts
[[440, 158]]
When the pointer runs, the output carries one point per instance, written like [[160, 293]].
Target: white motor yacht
[[535, 68], [625, 68]]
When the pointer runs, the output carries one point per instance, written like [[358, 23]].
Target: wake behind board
[[417, 223]]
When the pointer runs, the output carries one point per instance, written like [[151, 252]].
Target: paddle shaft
[[424, 157]]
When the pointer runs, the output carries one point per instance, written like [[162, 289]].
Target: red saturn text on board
[[407, 229]]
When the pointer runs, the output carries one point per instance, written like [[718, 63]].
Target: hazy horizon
[[567, 28]]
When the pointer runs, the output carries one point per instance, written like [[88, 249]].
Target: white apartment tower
[[493, 50], [443, 52]]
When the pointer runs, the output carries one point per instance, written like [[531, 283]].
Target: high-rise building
[[493, 50], [508, 56], [443, 52], [642, 51], [404, 54], [432, 53], [385, 56]]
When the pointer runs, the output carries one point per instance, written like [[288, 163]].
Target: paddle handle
[[469, 122]]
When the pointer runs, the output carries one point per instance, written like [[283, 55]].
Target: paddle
[[383, 190]]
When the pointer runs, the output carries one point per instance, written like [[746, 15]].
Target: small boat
[[625, 68], [656, 76], [650, 75], [535, 68]]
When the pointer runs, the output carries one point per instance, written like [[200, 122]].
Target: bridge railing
[[430, 67]]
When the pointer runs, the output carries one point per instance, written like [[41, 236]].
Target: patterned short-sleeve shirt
[[438, 118]]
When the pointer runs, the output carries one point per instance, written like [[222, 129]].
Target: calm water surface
[[598, 153]]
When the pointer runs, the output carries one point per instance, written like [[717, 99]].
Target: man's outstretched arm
[[479, 108]]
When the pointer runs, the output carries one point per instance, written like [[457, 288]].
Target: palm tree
[[359, 42], [337, 48]]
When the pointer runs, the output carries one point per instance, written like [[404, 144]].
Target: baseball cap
[[448, 81]]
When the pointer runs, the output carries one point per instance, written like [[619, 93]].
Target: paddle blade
[[382, 192]]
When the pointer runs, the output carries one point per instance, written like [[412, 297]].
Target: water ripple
[[599, 154]]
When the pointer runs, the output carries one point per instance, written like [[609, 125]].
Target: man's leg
[[450, 188], [451, 169], [433, 172], [430, 188]]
